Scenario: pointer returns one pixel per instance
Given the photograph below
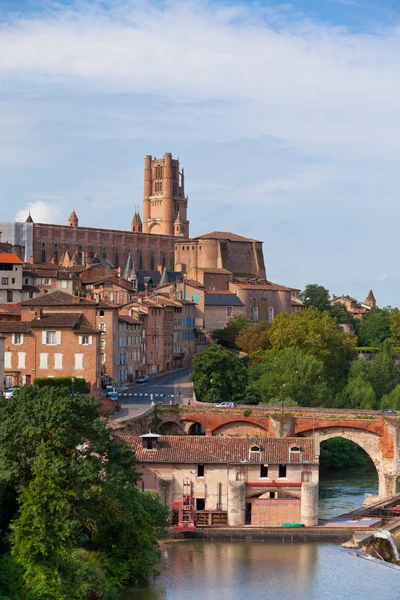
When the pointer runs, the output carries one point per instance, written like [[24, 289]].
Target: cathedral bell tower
[[164, 199]]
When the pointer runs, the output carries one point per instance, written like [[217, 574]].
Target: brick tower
[[164, 197]]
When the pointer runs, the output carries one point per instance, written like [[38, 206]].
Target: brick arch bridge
[[377, 434]]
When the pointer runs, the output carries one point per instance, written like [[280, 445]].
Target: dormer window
[[255, 449], [150, 441]]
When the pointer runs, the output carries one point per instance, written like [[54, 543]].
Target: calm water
[[343, 490], [257, 571]]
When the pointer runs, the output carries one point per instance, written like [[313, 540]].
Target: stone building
[[261, 482], [164, 214], [130, 344], [51, 345], [356, 308], [61, 335], [218, 250], [164, 200], [10, 278]]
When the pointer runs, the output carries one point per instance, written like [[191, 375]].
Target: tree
[[383, 373], [219, 375], [359, 393], [394, 326], [77, 493], [316, 296], [391, 400], [46, 535], [380, 373], [254, 338], [318, 334], [171, 263], [374, 327], [339, 453], [339, 312], [228, 335], [292, 374]]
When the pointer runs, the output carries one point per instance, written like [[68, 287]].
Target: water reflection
[[254, 570], [239, 570]]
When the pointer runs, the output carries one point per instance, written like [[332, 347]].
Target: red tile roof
[[57, 298], [10, 309], [15, 327], [222, 450], [10, 259]]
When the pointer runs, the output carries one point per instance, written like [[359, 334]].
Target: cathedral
[[150, 242]]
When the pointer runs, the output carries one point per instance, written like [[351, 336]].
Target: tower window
[[159, 172]]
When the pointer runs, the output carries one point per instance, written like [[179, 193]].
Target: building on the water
[[229, 480]]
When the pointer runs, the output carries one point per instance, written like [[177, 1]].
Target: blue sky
[[285, 117]]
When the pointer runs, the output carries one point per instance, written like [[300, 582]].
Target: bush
[[64, 382]]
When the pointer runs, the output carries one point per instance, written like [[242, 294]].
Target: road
[[167, 388]]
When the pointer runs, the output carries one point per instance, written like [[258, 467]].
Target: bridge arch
[[238, 428], [170, 428], [369, 442]]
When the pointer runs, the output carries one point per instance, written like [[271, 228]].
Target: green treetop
[[69, 493], [318, 334], [316, 296], [290, 373], [374, 327], [219, 375]]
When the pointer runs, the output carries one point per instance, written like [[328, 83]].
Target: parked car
[[9, 392], [388, 411], [143, 379], [225, 405], [111, 392]]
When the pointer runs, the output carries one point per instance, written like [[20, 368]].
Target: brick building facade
[[238, 481]]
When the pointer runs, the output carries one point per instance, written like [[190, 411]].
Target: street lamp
[[283, 391], [73, 385]]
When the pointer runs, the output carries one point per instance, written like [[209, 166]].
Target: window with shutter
[[21, 360], [78, 361], [43, 360], [58, 359], [7, 360]]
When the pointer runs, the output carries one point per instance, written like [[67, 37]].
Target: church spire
[[128, 268], [164, 277]]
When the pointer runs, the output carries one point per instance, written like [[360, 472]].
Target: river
[[197, 570]]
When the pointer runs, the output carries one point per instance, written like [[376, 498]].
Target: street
[[167, 388]]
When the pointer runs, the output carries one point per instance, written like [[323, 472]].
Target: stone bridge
[[377, 434]]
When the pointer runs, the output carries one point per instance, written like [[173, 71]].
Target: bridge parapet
[[377, 434]]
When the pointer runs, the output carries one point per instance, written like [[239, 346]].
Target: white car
[[225, 405], [9, 393]]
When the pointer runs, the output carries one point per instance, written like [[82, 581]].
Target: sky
[[284, 115]]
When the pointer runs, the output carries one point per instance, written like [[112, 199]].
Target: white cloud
[[382, 278], [291, 77], [40, 212]]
